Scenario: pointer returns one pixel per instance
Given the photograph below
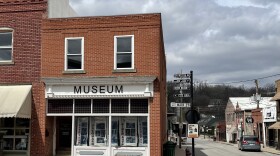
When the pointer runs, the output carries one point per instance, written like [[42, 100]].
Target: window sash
[[118, 54], [74, 60], [6, 50]]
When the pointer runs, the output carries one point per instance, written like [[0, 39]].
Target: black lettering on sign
[[119, 90], [102, 89], [108, 89], [94, 89], [98, 89], [77, 90]]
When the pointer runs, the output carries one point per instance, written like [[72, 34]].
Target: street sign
[[174, 104], [182, 75], [182, 81], [192, 130], [181, 88], [182, 95], [192, 116]]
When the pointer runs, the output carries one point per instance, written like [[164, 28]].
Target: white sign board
[[269, 114], [192, 130], [174, 104]]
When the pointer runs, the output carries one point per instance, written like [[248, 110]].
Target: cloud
[[219, 42]]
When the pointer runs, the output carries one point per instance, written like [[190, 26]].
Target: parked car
[[249, 142]]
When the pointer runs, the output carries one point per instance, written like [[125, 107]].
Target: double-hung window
[[6, 45], [124, 52], [74, 53]]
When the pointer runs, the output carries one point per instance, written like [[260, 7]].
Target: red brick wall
[[25, 18], [98, 33]]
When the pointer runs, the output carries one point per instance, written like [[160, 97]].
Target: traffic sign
[[192, 116], [182, 95], [182, 80], [174, 104], [182, 75], [181, 88]]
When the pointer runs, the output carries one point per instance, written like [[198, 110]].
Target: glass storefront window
[[16, 133], [125, 131], [8, 143]]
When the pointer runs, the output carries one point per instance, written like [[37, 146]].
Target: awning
[[15, 101], [275, 126], [276, 97], [232, 130]]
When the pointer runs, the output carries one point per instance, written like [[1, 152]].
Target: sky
[[229, 42]]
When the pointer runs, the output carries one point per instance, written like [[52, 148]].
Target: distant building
[[274, 129], [243, 119]]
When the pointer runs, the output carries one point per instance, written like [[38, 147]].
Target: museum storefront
[[100, 119]]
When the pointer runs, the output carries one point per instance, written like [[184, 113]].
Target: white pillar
[[264, 135]]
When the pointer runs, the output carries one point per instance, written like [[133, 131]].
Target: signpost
[[174, 104], [182, 95], [183, 81]]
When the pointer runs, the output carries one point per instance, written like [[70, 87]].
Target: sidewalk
[[181, 151]]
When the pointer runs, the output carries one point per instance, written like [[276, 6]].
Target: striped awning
[[15, 101]]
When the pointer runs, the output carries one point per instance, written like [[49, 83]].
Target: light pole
[[204, 131], [241, 125]]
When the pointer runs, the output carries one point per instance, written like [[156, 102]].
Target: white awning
[[15, 101]]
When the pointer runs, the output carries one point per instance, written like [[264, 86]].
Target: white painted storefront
[[108, 116]]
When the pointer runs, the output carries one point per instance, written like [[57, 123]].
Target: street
[[206, 147]]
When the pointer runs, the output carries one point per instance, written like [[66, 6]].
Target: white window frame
[[66, 53], [97, 121], [130, 120], [8, 30], [115, 51]]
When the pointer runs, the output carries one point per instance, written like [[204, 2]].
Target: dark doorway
[[64, 133], [271, 137]]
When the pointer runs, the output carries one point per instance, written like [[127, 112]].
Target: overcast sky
[[220, 40]]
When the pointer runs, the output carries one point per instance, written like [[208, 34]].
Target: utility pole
[[257, 93]]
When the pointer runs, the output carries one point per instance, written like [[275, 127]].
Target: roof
[[246, 103]]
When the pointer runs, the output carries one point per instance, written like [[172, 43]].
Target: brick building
[[105, 85], [22, 102]]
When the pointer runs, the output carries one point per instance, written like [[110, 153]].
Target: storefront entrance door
[[64, 133]]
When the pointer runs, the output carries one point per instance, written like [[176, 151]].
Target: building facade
[[22, 102], [274, 129], [105, 85], [21, 124], [242, 117]]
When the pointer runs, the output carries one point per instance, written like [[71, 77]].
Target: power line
[[260, 78]]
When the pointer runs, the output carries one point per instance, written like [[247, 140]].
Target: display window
[[16, 133], [125, 131]]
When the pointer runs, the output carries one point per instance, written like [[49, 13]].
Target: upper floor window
[[74, 53], [124, 52], [6, 45]]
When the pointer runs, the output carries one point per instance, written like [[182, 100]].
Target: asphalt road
[[205, 147]]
